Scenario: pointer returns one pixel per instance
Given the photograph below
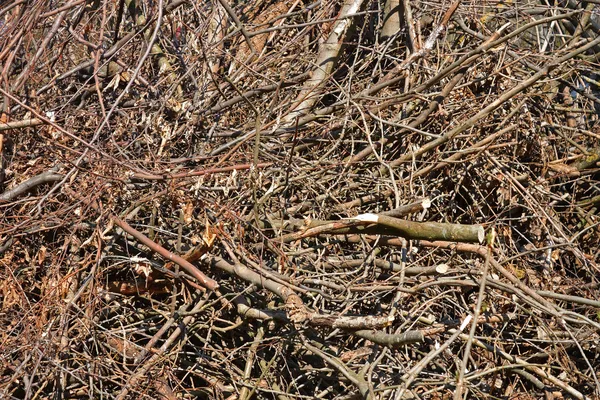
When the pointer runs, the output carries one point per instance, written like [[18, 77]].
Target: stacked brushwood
[[285, 199]]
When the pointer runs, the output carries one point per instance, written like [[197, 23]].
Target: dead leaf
[[188, 211], [564, 169]]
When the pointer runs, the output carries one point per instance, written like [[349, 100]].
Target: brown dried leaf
[[188, 212], [564, 169]]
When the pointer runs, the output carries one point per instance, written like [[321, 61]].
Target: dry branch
[[293, 157], [20, 124], [329, 52], [386, 225], [49, 176]]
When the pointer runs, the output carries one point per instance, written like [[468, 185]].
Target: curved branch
[[45, 177]]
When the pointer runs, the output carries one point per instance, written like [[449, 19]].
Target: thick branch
[[45, 177]]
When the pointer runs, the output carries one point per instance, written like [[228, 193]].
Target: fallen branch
[[385, 225], [26, 123], [205, 281], [45, 177], [297, 311], [189, 174], [328, 54]]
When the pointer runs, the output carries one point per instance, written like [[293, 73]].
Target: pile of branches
[[263, 199]]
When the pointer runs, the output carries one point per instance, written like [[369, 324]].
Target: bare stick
[[460, 387], [385, 225], [45, 177], [238, 23], [26, 123], [328, 54]]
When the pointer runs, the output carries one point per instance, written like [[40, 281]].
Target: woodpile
[[288, 200]]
